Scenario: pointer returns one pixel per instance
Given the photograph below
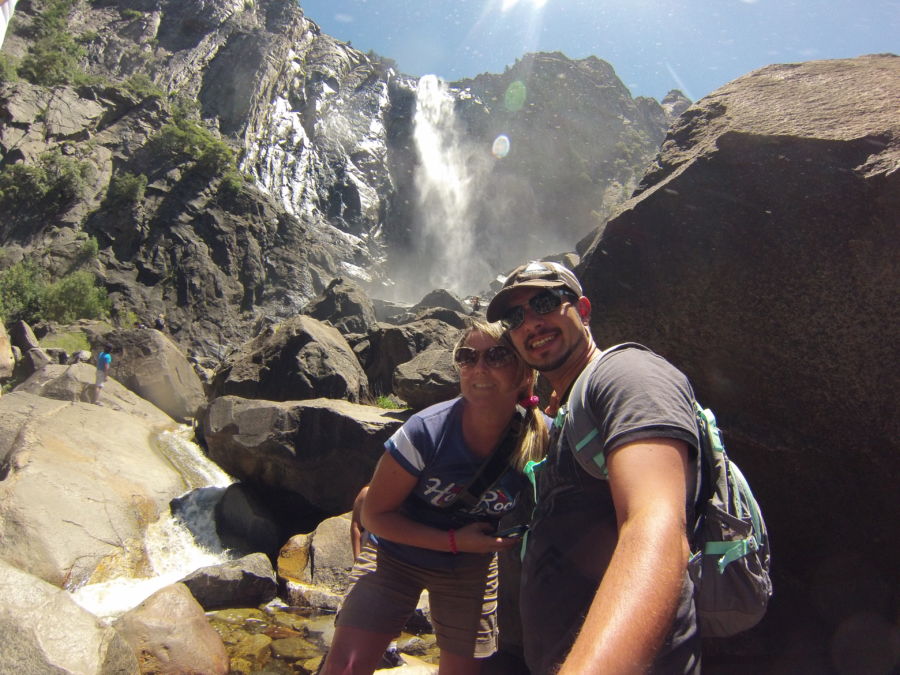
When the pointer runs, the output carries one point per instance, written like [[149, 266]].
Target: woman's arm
[[389, 488]]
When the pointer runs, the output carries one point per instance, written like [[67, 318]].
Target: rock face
[[44, 631], [322, 183], [170, 634], [153, 367], [6, 354], [300, 358], [760, 256], [246, 582], [79, 485], [304, 455]]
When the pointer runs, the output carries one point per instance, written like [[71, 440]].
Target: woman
[[421, 537]]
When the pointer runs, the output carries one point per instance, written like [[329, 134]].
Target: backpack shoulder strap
[[577, 418]]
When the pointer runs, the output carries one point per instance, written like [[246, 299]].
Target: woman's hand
[[480, 538]]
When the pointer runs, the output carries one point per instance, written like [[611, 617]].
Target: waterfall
[[175, 545], [447, 178]]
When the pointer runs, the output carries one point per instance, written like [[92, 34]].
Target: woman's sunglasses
[[542, 303], [497, 356]]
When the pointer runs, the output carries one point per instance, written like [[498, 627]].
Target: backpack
[[730, 557]]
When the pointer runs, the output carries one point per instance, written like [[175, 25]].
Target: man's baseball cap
[[536, 274]]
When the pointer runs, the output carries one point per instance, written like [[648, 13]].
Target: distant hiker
[[447, 476], [104, 361], [605, 583], [476, 304], [160, 323]]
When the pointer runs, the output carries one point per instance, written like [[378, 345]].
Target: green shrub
[[21, 287], [75, 296], [142, 86], [53, 182], [186, 140], [53, 60], [131, 14], [126, 189], [70, 342], [388, 403], [8, 69]]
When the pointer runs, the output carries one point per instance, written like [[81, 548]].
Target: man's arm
[[634, 607]]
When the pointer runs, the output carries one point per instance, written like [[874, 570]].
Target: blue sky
[[654, 45]]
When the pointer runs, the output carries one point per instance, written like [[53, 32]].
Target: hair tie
[[529, 402]]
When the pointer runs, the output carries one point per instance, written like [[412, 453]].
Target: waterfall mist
[[448, 176]]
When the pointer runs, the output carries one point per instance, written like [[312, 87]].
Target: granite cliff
[[230, 159]]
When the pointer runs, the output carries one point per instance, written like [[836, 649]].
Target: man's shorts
[[101, 378], [384, 592]]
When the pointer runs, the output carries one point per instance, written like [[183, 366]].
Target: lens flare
[[500, 148]]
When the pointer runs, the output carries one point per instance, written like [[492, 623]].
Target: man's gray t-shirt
[[634, 394]]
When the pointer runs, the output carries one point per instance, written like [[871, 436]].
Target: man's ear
[[584, 308]]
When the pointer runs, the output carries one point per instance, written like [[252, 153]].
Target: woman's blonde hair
[[534, 437]]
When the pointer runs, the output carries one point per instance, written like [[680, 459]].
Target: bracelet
[[452, 535]]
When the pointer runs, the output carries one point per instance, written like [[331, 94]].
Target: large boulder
[[80, 484], [314, 454], [44, 631], [298, 359], [314, 568], [171, 635], [761, 257], [345, 306], [389, 346], [76, 383], [246, 582], [7, 360], [153, 367], [426, 379]]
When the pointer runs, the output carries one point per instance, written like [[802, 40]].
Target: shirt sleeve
[[406, 446], [637, 394]]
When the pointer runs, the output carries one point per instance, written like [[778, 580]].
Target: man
[[104, 360], [605, 587]]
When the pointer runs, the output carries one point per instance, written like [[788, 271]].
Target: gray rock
[[441, 298], [170, 634], [44, 631], [321, 451], [298, 359], [75, 383], [760, 257], [345, 306], [245, 582], [151, 365], [389, 346], [31, 362], [7, 358], [21, 336], [245, 523], [80, 484], [428, 378]]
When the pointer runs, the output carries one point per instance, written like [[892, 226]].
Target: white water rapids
[[171, 550]]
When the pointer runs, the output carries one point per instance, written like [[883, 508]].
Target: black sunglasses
[[497, 356], [542, 303]]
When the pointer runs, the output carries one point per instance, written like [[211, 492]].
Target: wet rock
[[81, 483], [170, 634], [246, 582], [44, 631]]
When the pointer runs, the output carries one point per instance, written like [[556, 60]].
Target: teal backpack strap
[[578, 421]]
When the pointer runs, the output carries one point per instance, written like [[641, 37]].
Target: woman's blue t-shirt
[[430, 446]]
